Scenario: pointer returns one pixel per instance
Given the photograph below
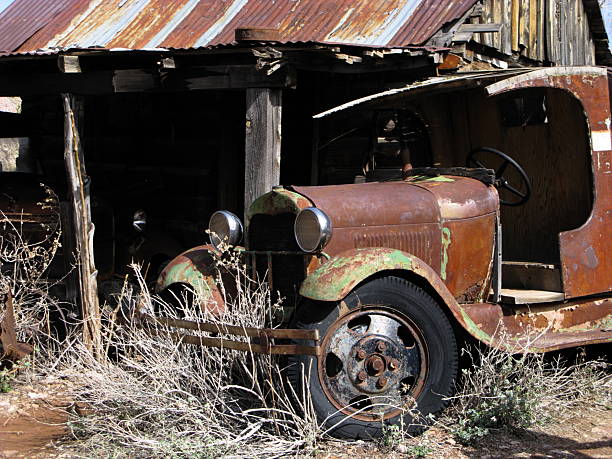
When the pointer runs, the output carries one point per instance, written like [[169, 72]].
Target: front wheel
[[387, 352]]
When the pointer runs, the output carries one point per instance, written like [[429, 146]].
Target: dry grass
[[517, 390], [153, 397]]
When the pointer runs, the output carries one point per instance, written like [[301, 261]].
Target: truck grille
[[274, 233]]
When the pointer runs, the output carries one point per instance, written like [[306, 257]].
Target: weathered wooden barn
[[180, 108]]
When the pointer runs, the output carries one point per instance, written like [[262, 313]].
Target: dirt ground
[[587, 435], [33, 420]]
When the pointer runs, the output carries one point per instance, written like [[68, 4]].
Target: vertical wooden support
[[563, 26], [78, 184], [533, 29], [262, 142], [515, 24]]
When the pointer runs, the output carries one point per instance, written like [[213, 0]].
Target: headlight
[[224, 227], [312, 229], [139, 221]]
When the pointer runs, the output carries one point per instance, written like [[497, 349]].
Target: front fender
[[335, 279], [196, 269]]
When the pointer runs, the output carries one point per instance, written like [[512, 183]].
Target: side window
[[524, 110]]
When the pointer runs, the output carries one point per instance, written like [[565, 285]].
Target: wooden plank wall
[[555, 155], [542, 30]]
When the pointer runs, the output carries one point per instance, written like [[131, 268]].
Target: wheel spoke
[[502, 169], [345, 390], [478, 163], [411, 361], [513, 190], [383, 325], [343, 340], [391, 399]]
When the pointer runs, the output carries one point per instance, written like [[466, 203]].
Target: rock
[[561, 453]]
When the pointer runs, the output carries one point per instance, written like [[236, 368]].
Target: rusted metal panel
[[336, 278], [278, 201], [458, 197], [22, 19], [543, 328], [30, 26], [11, 348], [427, 19], [379, 203], [422, 240], [196, 268], [467, 257], [585, 260], [420, 216]]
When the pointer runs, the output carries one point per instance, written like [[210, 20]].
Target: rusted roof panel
[[428, 18], [33, 25]]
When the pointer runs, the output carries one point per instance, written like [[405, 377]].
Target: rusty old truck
[[501, 233]]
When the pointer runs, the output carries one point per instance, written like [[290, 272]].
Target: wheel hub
[[372, 358], [376, 364]]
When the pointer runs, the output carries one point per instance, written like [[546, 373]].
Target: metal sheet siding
[[23, 18], [34, 25]]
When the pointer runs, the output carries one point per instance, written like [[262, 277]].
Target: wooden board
[[509, 296], [262, 142], [78, 182]]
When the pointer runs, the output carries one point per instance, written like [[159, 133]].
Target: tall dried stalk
[[154, 397], [25, 259]]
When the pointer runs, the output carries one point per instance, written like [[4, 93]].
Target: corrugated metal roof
[[31, 25]]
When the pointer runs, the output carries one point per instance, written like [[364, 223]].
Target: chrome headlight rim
[[235, 229], [325, 229]]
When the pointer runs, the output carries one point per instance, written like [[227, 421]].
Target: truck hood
[[415, 200]]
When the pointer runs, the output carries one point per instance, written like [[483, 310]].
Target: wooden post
[[262, 142], [78, 184], [515, 15]]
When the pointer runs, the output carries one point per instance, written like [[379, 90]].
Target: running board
[[541, 327]]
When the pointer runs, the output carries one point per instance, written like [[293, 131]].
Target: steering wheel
[[502, 183]]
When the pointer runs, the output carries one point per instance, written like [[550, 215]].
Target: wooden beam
[[262, 142], [479, 28], [226, 77], [143, 80], [78, 184], [69, 64], [21, 84]]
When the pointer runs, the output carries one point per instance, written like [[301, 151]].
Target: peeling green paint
[[428, 178], [278, 201], [474, 329], [187, 273], [446, 241], [336, 278]]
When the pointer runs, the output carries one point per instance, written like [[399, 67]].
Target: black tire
[[419, 359]]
